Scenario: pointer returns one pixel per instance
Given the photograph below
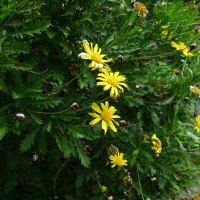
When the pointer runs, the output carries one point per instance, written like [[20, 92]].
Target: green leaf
[[36, 118], [2, 86], [3, 131], [33, 28], [85, 160], [28, 141], [155, 118]]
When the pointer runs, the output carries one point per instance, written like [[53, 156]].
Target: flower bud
[[87, 149], [75, 106], [153, 179], [122, 122], [20, 116], [137, 88], [35, 157], [186, 99], [132, 3], [103, 188], [193, 46], [127, 193], [110, 198], [119, 58], [84, 41]]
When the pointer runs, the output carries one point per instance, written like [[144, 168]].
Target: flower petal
[[94, 115], [107, 87], [95, 121], [87, 47], [95, 48], [104, 126], [110, 123], [96, 108]]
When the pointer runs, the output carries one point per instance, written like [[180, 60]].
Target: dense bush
[[49, 149]]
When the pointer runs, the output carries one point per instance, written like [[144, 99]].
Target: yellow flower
[[156, 144], [195, 90], [182, 47], [63, 5], [103, 188], [197, 124], [111, 81], [95, 56], [106, 115], [165, 32], [117, 159], [170, 36], [146, 137]]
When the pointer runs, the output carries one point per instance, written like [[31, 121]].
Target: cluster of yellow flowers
[[112, 81], [157, 145], [165, 32], [182, 47]]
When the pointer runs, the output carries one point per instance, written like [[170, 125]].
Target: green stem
[[140, 184]]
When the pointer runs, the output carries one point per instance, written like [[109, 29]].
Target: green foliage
[[52, 152]]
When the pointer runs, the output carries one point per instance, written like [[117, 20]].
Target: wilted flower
[[20, 116], [197, 124], [140, 9], [111, 81], [117, 159], [74, 68], [106, 115], [95, 56], [146, 137], [112, 150], [157, 145]]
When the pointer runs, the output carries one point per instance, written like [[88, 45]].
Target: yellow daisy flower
[[106, 115], [156, 144], [95, 56], [112, 81], [197, 124], [117, 159]]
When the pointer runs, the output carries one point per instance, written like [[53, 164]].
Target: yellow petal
[[94, 115], [106, 105], [124, 84], [116, 74], [112, 91], [99, 52], [96, 108], [95, 48], [101, 83], [110, 123], [87, 47], [84, 56], [95, 121], [107, 87], [116, 116], [104, 126], [109, 60]]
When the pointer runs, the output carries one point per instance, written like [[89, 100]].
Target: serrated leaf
[[85, 160], [33, 28], [36, 118], [3, 131], [28, 141]]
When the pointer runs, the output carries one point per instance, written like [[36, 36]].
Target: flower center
[[112, 81], [119, 162], [106, 116], [96, 58]]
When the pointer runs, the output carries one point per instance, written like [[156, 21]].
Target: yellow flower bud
[[103, 188]]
